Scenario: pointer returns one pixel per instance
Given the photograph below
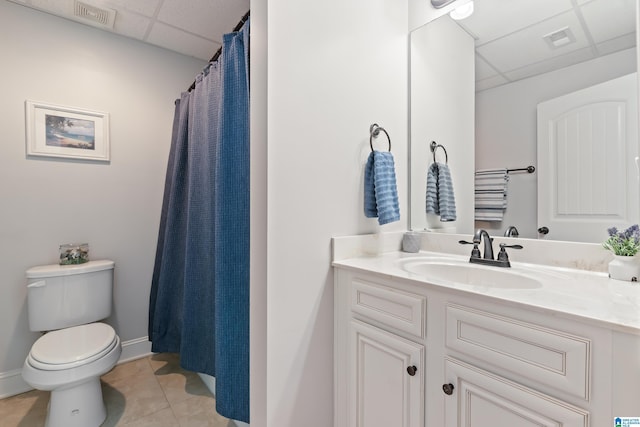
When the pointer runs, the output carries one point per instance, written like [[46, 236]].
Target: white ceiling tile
[[206, 18], [174, 39], [143, 7], [601, 14], [528, 46], [57, 7], [492, 19], [483, 69], [131, 24], [489, 83], [621, 43], [551, 64]]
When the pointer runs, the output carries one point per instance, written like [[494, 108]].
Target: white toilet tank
[[60, 296]]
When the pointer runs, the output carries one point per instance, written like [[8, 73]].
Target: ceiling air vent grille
[[97, 15], [559, 38]]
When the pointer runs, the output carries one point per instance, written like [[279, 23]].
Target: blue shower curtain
[[199, 301]]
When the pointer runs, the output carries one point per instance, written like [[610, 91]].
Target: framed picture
[[72, 133]]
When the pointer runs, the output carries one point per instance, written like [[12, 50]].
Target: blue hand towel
[[440, 199], [380, 190]]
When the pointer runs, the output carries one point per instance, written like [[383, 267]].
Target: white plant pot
[[625, 268]]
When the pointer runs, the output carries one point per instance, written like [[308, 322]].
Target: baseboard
[[210, 382], [11, 382], [135, 349]]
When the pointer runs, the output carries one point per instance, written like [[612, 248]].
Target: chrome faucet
[[487, 257], [511, 231], [488, 242]]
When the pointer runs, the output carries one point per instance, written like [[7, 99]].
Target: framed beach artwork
[[72, 133]]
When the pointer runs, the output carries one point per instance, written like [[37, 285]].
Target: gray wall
[[115, 207]]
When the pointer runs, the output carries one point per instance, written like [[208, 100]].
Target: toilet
[[66, 302]]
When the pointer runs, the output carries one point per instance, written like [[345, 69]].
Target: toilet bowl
[[69, 365], [69, 361]]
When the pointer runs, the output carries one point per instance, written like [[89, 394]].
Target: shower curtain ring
[[374, 131]]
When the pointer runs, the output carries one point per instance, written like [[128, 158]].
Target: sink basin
[[471, 274]]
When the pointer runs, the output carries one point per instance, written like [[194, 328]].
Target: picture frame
[[66, 132]]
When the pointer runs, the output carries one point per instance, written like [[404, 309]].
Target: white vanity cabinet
[[412, 354], [380, 348]]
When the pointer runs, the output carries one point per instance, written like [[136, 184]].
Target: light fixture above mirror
[[461, 12], [438, 4]]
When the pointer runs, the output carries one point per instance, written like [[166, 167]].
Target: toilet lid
[[70, 347]]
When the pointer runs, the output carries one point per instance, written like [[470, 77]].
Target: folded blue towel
[[380, 191], [440, 198]]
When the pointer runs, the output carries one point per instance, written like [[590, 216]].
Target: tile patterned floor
[[153, 391]]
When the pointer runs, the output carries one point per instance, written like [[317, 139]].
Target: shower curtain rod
[[219, 51]]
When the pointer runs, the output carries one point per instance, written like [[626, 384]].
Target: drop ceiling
[[510, 35], [194, 27]]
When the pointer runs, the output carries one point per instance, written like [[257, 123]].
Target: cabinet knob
[[411, 370], [448, 389]]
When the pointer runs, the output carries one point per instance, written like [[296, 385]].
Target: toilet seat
[[72, 347]]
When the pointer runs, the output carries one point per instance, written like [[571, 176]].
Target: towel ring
[[374, 131], [434, 146]]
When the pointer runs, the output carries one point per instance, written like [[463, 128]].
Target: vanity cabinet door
[[477, 398], [386, 379]]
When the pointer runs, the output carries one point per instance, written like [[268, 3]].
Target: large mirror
[[483, 88]]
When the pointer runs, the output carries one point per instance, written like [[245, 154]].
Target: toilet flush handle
[[38, 284]]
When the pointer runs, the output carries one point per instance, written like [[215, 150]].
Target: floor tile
[[128, 399], [162, 418], [154, 391], [24, 410], [129, 369], [199, 411]]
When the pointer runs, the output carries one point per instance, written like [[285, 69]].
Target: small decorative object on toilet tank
[[74, 253]]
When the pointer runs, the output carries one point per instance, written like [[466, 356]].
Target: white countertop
[[584, 295]]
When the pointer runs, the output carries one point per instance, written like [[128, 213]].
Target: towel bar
[[374, 131], [434, 146]]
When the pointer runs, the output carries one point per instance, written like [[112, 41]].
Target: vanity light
[[440, 3], [462, 11]]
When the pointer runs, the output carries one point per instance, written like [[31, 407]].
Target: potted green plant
[[625, 246]]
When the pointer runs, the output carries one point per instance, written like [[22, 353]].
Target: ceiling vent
[[96, 15], [559, 38]]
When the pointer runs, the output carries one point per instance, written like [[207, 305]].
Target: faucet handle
[[502, 255], [475, 252], [504, 245]]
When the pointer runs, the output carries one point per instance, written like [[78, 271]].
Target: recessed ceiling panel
[[493, 19], [143, 7], [131, 24], [551, 64], [174, 39], [601, 14], [528, 46], [483, 69], [490, 83], [206, 18]]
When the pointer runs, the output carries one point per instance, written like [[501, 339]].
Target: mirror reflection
[[547, 78]]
